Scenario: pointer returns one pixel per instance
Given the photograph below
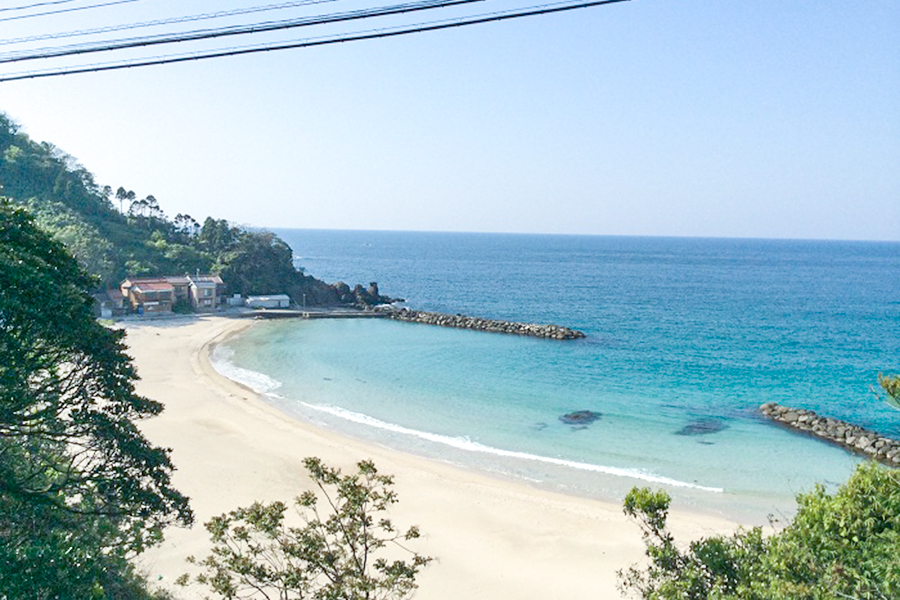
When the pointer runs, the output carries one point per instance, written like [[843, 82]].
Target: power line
[[36, 5], [66, 10], [308, 43], [193, 36], [155, 23]]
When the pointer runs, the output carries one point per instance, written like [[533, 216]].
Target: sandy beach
[[491, 539]]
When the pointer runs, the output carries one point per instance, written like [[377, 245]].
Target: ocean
[[685, 339]]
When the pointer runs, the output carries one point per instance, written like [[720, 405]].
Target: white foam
[[464, 443], [220, 358]]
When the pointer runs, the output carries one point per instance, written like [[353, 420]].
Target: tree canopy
[[138, 239], [81, 489], [838, 546]]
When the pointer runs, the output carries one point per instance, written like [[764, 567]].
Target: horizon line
[[559, 234]]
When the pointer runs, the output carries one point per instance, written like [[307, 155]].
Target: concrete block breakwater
[[478, 324], [851, 437]]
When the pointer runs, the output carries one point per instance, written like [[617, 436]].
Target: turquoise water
[[682, 334]]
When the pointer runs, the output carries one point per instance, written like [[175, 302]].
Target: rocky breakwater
[[851, 437], [475, 323]]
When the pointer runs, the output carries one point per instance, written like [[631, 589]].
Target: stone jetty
[[851, 437], [478, 324]]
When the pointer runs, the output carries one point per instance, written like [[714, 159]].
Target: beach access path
[[492, 539]]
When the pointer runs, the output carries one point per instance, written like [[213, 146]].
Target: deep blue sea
[[685, 339]]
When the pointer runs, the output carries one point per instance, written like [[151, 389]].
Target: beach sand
[[491, 539]]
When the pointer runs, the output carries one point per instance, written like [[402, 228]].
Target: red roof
[[153, 286]]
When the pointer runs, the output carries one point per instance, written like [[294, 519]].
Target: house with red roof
[[148, 295], [154, 295]]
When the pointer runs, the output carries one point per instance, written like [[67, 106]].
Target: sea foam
[[221, 360], [466, 444]]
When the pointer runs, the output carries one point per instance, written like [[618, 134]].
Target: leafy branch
[[331, 556]]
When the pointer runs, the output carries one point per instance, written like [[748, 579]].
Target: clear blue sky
[[749, 118]]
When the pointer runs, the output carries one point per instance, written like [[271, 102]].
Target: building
[[153, 295], [182, 287], [271, 301], [148, 295], [207, 292], [110, 303]]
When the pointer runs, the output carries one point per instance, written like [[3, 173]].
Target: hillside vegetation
[[115, 234]]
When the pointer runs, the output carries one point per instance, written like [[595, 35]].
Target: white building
[[273, 301]]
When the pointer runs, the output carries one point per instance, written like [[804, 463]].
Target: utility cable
[[193, 36], [308, 43], [36, 5], [66, 10], [155, 23]]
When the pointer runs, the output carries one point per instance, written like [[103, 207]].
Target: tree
[[81, 489], [138, 207], [891, 386], [186, 225], [255, 555], [155, 212], [837, 546], [122, 195], [80, 238], [217, 236], [125, 243], [258, 263]]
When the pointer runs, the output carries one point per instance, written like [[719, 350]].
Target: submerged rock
[[703, 426], [580, 417]]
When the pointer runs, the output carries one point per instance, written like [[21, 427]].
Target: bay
[[685, 339]]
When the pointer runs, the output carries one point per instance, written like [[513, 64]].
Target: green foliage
[[891, 386], [217, 236], [81, 239], [42, 171], [838, 546], [80, 488], [79, 213], [333, 557], [177, 257], [137, 239], [258, 263]]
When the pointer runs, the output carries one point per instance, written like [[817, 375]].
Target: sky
[[746, 118]]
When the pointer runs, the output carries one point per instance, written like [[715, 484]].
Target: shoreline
[[492, 538]]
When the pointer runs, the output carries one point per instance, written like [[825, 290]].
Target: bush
[[255, 555], [837, 546]]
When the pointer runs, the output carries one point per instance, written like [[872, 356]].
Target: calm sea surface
[[685, 339]]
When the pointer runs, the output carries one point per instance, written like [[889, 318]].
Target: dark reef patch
[[702, 426], [580, 417]]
